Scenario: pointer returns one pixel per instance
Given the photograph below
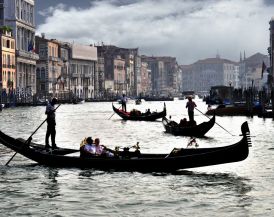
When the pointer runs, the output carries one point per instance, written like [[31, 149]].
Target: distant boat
[[78, 101], [189, 130], [138, 101], [138, 116], [159, 98], [236, 109]]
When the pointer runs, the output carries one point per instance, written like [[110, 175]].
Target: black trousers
[[191, 115], [51, 132], [124, 106]]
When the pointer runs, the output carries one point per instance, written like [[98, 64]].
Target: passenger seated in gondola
[[87, 148], [148, 112], [183, 123], [191, 123], [135, 112], [101, 150]]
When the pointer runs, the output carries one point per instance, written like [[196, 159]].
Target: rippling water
[[236, 189]]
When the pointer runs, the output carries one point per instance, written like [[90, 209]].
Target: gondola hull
[[143, 117], [181, 159], [197, 131]]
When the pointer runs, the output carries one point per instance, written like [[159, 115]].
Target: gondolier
[[190, 105], [124, 103], [51, 132]]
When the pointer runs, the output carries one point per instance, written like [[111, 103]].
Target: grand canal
[[237, 189]]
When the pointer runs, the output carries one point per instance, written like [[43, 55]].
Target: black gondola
[[151, 116], [196, 130], [129, 161], [138, 101]]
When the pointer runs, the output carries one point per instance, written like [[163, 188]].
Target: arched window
[[38, 75], [43, 73]]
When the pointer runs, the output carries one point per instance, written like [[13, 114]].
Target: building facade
[[164, 71], [7, 67], [129, 55], [82, 68], [19, 14], [271, 50], [48, 68], [145, 83], [203, 74], [250, 70]]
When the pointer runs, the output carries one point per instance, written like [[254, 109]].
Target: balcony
[[86, 75], [55, 59], [75, 75], [25, 54]]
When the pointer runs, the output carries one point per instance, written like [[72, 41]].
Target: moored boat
[[138, 101], [138, 116], [233, 110], [182, 158], [189, 130]]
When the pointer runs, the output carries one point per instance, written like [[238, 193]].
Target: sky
[[186, 29]]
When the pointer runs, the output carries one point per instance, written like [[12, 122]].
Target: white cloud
[[188, 30]]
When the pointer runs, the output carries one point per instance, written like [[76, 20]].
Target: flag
[[60, 79], [31, 46], [263, 69]]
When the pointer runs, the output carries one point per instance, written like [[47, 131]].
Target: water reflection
[[51, 186]]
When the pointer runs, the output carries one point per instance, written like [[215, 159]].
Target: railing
[[27, 54]]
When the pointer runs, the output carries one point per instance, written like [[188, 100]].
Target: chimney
[[43, 35]]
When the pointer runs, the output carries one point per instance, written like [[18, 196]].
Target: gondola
[[183, 158], [141, 116], [197, 130], [138, 101]]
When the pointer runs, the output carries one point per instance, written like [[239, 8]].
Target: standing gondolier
[[51, 132], [124, 103], [190, 105]]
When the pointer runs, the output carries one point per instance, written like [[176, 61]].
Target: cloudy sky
[[186, 29]]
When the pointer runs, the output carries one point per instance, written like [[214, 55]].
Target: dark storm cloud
[[269, 2], [186, 29]]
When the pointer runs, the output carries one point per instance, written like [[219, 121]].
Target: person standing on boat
[[51, 132], [124, 103], [190, 105]]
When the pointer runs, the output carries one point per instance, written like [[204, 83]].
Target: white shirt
[[90, 148]]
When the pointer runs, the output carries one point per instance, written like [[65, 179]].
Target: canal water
[[237, 189]]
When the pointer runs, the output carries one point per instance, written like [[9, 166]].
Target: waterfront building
[[7, 57], [271, 49], [83, 66], [19, 15], [203, 74], [64, 79], [99, 85], [145, 84], [137, 75], [164, 71], [48, 68], [110, 53], [119, 81], [65, 70], [250, 70]]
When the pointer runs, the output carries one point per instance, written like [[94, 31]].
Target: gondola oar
[[114, 113], [30, 138], [215, 122]]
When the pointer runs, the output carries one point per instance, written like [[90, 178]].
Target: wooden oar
[[215, 122], [30, 138], [114, 113]]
